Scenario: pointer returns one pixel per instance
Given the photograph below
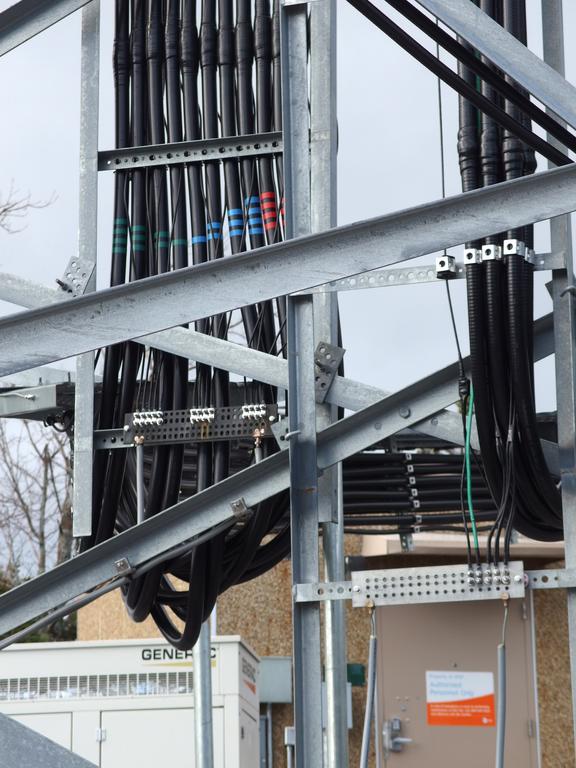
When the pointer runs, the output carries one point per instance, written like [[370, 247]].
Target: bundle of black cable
[[176, 81], [500, 310]]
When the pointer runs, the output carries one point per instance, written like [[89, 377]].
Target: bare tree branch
[[15, 207]]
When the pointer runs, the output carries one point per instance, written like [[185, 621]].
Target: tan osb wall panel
[[553, 673], [106, 619]]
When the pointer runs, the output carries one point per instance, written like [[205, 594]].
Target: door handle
[[392, 741]]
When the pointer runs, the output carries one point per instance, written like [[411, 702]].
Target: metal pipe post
[[140, 504], [564, 297], [301, 395], [323, 134], [203, 745], [87, 247]]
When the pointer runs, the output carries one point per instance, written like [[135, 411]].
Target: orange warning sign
[[480, 711], [460, 698]]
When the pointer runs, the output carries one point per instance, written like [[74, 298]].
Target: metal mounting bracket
[[327, 359], [322, 591], [76, 276], [240, 509]]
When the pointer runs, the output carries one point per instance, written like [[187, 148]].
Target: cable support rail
[[426, 273], [184, 152], [429, 579], [198, 425]]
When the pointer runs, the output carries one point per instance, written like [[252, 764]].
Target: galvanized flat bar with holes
[[426, 273], [28, 18], [552, 578], [548, 578], [201, 151], [142, 307], [436, 584], [322, 591], [508, 53]]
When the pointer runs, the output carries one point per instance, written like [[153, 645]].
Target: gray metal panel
[[509, 54], [275, 680], [21, 747], [145, 306], [28, 18]]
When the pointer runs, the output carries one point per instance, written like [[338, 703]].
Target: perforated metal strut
[[200, 424]]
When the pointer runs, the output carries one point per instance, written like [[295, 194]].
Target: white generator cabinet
[[131, 702]]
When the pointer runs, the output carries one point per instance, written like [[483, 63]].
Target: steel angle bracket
[[437, 584], [76, 276], [327, 359]]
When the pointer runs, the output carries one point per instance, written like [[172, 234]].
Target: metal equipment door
[[437, 682], [155, 737]]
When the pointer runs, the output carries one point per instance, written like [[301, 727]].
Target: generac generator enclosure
[[131, 702]]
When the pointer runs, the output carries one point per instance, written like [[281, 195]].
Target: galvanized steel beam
[[508, 53], [136, 309], [28, 18]]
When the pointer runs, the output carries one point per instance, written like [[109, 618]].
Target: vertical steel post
[[564, 297], [140, 503], [323, 134], [87, 246], [301, 394], [201, 657]]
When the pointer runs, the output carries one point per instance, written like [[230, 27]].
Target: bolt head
[[404, 412], [355, 588]]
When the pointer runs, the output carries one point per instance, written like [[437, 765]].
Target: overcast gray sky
[[389, 159]]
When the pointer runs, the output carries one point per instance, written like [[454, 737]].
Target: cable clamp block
[[491, 253], [446, 267], [515, 247], [202, 415], [472, 256]]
